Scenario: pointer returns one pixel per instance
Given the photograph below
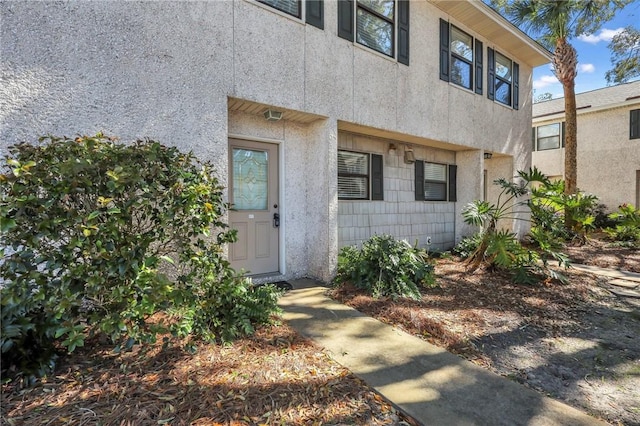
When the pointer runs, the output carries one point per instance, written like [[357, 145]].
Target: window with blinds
[[353, 175], [435, 182], [291, 7], [548, 137]]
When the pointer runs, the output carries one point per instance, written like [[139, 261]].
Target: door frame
[[282, 206]]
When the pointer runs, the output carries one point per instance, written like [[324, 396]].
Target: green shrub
[[626, 224], [501, 249], [98, 237], [385, 267]]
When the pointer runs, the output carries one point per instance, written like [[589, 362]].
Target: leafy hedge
[[99, 237], [385, 267]]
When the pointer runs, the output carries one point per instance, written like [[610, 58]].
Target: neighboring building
[[608, 142], [329, 121]]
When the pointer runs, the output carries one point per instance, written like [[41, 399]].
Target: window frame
[[453, 55], [269, 4], [499, 79], [634, 124], [536, 136], [366, 9], [374, 177], [493, 79], [445, 182]]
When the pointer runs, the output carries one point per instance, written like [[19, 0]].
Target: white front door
[[253, 193]]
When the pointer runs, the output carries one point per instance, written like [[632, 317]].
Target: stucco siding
[[607, 159], [172, 70]]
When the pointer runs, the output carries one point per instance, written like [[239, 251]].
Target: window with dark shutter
[[516, 86], [491, 74], [634, 124], [419, 179], [345, 20], [435, 182], [453, 175], [315, 13], [478, 53], [444, 50], [403, 31], [377, 177]]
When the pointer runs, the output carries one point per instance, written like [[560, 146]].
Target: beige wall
[[607, 158], [166, 70]]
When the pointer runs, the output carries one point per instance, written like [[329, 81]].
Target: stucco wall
[[166, 70], [607, 158]]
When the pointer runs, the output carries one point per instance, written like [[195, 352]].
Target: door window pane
[[250, 179]]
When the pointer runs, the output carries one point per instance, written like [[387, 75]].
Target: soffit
[[256, 108], [491, 25], [397, 136]]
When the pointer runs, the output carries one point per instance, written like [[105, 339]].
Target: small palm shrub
[[385, 267], [99, 237], [627, 224], [500, 248]]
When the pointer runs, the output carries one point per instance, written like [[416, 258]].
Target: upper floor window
[[314, 9], [460, 57], [435, 181], [549, 136], [359, 176], [290, 7], [634, 124], [503, 79], [381, 25]]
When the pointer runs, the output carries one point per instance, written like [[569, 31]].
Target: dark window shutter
[[533, 139], [345, 19], [444, 50], [419, 175], [377, 178], [315, 13], [491, 74], [516, 86], [479, 67], [563, 132], [453, 173], [634, 124], [403, 31]]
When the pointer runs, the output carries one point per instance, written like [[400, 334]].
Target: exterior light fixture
[[392, 149], [273, 115], [488, 155], [409, 156]]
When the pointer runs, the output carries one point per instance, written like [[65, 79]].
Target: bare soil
[[576, 342]]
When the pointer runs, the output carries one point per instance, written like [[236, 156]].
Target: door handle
[[276, 220]]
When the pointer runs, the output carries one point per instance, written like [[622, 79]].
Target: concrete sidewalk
[[430, 384]]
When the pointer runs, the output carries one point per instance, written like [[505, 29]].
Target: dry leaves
[[276, 377]]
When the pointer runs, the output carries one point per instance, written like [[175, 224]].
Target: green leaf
[[7, 225]]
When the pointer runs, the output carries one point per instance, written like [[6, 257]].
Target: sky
[[594, 57]]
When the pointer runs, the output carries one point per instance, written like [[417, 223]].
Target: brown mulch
[[574, 341], [598, 251], [274, 377]]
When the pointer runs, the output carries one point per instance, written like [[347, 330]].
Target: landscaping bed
[[275, 377], [576, 342]]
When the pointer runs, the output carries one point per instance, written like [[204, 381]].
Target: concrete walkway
[[430, 384], [624, 284]]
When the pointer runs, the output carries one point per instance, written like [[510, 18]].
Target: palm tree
[[556, 22]]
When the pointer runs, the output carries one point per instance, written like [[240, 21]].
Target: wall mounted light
[[272, 115], [392, 149], [488, 155], [409, 156]]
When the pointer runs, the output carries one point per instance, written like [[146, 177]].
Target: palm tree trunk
[[565, 64]]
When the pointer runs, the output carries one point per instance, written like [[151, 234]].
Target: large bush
[[99, 237], [626, 225], [385, 267]]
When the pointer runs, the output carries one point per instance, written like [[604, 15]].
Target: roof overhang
[[485, 21]]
